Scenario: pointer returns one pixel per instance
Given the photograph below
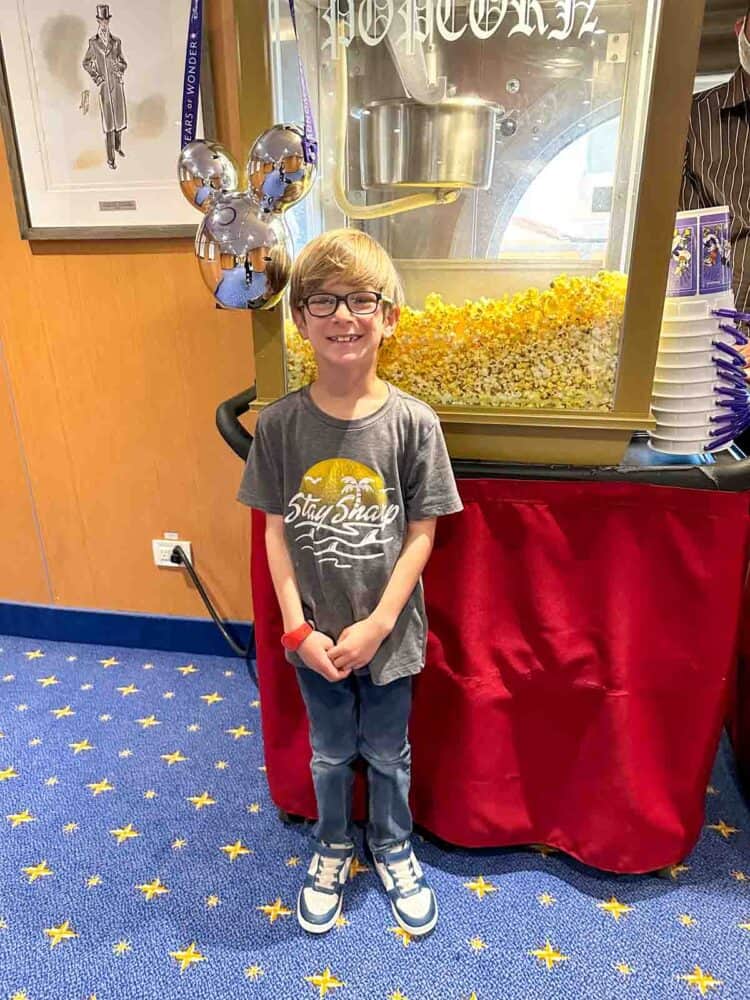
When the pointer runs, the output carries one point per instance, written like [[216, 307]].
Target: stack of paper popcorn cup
[[700, 398]]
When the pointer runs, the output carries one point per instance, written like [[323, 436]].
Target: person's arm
[[358, 643], [89, 64], [314, 650]]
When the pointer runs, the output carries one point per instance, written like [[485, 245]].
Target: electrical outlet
[[162, 549]]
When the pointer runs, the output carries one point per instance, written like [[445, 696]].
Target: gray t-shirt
[[346, 489]]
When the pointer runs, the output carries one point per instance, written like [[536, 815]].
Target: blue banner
[[192, 80]]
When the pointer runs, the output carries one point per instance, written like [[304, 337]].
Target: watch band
[[294, 639]]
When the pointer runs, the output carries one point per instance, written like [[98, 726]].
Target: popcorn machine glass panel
[[495, 148]]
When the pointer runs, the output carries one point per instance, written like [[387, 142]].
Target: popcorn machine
[[520, 160]]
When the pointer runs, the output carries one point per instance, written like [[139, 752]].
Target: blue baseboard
[[117, 628]]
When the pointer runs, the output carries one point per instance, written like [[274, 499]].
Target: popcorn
[[555, 348]]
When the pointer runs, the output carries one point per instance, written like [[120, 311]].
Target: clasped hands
[[355, 647]]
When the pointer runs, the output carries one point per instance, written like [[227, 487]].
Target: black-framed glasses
[[322, 304]]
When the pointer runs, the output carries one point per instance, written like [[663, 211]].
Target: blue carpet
[[143, 858]]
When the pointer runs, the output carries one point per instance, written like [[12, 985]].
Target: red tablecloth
[[581, 654]]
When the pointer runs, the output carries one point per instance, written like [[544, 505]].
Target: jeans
[[350, 718]]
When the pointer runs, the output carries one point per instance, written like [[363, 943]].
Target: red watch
[[294, 639]]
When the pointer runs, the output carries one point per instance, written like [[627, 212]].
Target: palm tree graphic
[[355, 486]]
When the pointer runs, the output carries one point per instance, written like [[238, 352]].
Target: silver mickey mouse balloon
[[244, 254], [205, 170], [277, 172]]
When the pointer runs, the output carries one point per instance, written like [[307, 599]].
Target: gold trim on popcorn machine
[[546, 435]]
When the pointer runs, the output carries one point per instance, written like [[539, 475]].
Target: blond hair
[[349, 255]]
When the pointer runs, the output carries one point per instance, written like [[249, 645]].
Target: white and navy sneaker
[[412, 900], [322, 894]]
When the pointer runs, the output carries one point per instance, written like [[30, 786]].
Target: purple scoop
[[735, 356], [739, 336]]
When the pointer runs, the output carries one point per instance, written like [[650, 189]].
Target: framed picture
[[90, 104]]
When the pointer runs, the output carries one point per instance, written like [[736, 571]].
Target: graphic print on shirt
[[342, 512]]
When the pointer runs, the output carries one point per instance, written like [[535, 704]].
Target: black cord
[[179, 556]]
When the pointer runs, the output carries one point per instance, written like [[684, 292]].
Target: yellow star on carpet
[[274, 910], [8, 773], [168, 695], [35, 654], [739, 876], [62, 713], [3, 924], [543, 849], [122, 947], [723, 828], [211, 699], [150, 794], [549, 955], [212, 902], [253, 972], [80, 746], [255, 704], [109, 662], [546, 899], [105, 717], [70, 827], [686, 920], [676, 870], [477, 944], [187, 956], [37, 871], [151, 889], [148, 721], [178, 844], [20, 995], [47, 681], [128, 689], [97, 787], [174, 758], [125, 753], [239, 732], [624, 969], [188, 669], [262, 767], [228, 673], [480, 887], [615, 908], [341, 921], [403, 935], [199, 801], [221, 765], [703, 981], [124, 833], [147, 666], [35, 742], [357, 868], [193, 728], [398, 995], [92, 881], [235, 850], [253, 808], [324, 981], [62, 933], [87, 687], [710, 790], [53, 780], [9, 677], [22, 708], [292, 862], [16, 819]]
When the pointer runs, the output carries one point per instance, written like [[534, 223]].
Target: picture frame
[[89, 157]]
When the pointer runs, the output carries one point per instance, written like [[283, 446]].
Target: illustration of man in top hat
[[106, 66]]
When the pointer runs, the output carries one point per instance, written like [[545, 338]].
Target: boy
[[352, 473]]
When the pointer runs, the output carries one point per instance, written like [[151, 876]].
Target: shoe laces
[[327, 872], [404, 875]]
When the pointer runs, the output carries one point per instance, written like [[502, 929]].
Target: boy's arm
[[314, 650], [282, 573], [358, 643]]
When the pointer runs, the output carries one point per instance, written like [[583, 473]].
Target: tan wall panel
[[117, 359], [22, 576]]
